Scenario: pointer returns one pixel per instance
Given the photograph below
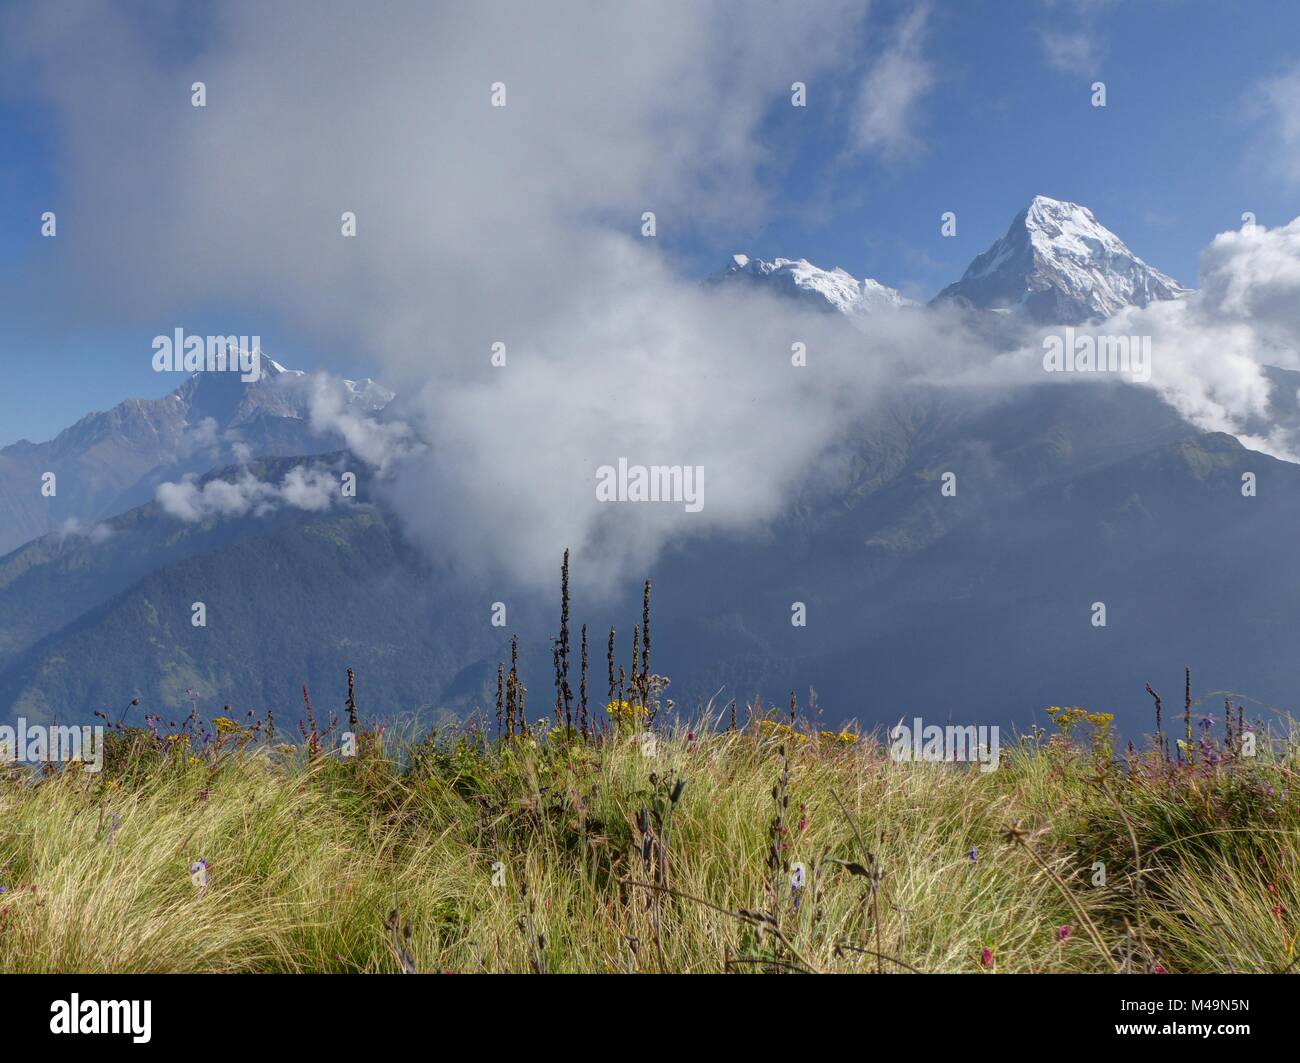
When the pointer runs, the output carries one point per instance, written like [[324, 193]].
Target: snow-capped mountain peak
[[269, 367], [365, 395], [830, 290], [368, 395], [1059, 264], [277, 391]]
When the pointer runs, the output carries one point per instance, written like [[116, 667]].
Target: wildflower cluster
[[226, 726], [1068, 717], [626, 711], [180, 744], [772, 729]]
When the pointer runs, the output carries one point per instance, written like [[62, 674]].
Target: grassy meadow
[[749, 841]]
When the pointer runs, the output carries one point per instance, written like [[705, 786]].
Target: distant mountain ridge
[[108, 462], [832, 290]]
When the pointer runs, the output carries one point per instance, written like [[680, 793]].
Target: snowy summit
[[1058, 264]]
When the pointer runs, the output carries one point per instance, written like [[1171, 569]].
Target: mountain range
[[109, 462], [1056, 265], [974, 606]]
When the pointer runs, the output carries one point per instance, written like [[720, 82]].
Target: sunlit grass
[[548, 853]]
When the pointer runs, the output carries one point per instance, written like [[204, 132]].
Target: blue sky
[[998, 109]]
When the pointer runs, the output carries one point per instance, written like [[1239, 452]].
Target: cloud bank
[[304, 487]]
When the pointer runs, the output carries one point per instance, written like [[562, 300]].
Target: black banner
[[214, 1012]]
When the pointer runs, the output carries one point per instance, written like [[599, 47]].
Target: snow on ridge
[[835, 289]]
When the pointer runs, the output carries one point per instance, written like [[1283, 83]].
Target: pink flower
[[986, 958], [1063, 932], [1160, 969]]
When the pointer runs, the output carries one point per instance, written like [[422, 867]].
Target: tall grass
[[765, 848]]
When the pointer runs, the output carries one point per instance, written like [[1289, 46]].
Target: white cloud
[[886, 117], [72, 528], [376, 441], [1073, 51], [469, 216], [1073, 43], [309, 488], [1252, 276], [1277, 101]]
